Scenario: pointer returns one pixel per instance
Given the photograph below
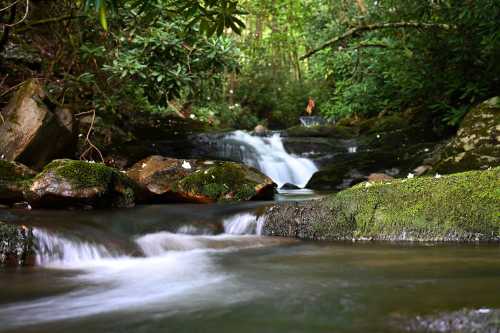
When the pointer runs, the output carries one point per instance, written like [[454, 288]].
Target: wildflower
[[186, 165], [378, 136], [410, 176], [437, 176]]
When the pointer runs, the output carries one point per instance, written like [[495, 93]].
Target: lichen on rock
[[17, 246], [477, 142]]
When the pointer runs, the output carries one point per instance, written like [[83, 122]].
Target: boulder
[[260, 130], [69, 183], [32, 134], [14, 181], [477, 142], [173, 180], [458, 207], [17, 246], [289, 186], [379, 177]]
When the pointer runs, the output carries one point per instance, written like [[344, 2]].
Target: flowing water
[[267, 154], [207, 268], [187, 268]]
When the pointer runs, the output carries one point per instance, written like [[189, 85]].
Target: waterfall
[[243, 224], [268, 155], [54, 249]]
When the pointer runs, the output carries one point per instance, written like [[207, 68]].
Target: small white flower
[[426, 150], [483, 311], [91, 161], [192, 116], [2, 157], [231, 91], [186, 165], [378, 136], [437, 176], [340, 48], [208, 98], [410, 176], [80, 135], [368, 184]]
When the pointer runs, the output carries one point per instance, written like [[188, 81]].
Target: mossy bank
[[458, 207]]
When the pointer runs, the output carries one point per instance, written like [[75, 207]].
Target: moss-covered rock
[[16, 245], [171, 180], [477, 143], [14, 181], [77, 183], [458, 207]]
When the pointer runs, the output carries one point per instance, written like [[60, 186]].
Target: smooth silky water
[[187, 268], [206, 268]]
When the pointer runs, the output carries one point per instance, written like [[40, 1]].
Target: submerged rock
[[477, 143], [66, 183], [464, 321], [14, 181], [31, 133], [458, 207], [173, 180], [16, 245]]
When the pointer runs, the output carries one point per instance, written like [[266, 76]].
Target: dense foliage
[[238, 63]]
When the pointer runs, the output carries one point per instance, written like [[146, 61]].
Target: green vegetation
[[236, 64], [81, 174], [458, 207], [218, 181]]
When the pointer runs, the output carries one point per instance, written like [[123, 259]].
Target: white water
[[268, 155], [176, 270]]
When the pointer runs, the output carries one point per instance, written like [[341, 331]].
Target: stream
[[207, 268]]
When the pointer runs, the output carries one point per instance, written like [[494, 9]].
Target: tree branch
[[364, 28], [47, 21]]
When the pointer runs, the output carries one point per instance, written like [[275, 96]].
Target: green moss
[[10, 171], [82, 174], [460, 206], [217, 181]]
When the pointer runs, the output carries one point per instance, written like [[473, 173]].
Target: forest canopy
[[242, 63]]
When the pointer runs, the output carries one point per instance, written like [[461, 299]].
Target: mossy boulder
[[30, 132], [458, 207], [14, 181], [65, 183], [16, 245], [173, 180], [477, 142]]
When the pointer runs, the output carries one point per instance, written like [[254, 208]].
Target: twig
[[47, 21], [355, 31], [11, 88], [24, 17], [91, 145], [12, 4]]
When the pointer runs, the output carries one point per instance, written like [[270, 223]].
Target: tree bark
[[354, 32]]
